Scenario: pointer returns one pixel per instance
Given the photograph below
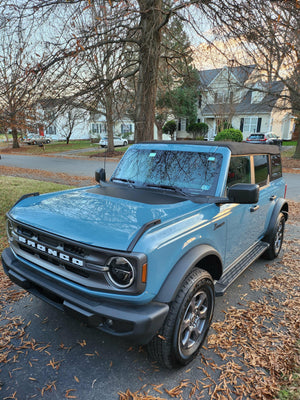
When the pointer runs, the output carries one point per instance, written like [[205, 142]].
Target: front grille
[[82, 264], [24, 231], [48, 241]]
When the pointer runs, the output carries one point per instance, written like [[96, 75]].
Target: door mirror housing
[[243, 193], [100, 175]]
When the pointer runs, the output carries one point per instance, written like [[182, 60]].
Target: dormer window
[[219, 97]]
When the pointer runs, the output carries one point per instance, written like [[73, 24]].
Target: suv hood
[[86, 216]]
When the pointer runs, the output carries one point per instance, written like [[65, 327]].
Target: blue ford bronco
[[143, 255]]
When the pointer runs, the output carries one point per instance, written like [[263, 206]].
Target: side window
[[261, 169], [239, 171], [276, 169]]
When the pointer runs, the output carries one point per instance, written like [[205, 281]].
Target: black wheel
[[276, 238], [125, 143], [47, 141], [180, 338]]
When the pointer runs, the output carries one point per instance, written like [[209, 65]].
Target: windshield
[[193, 172]]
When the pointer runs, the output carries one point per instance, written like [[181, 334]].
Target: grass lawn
[[12, 189], [53, 147], [101, 150], [289, 143]]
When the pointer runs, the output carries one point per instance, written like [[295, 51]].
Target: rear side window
[[239, 170], [276, 169], [261, 169]]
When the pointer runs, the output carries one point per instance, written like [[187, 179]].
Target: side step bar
[[236, 269]]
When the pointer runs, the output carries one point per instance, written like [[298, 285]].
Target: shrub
[[234, 135], [170, 128], [198, 129]]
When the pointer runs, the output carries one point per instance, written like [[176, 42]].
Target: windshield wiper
[[130, 181], [167, 187]]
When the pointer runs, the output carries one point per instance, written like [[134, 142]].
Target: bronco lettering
[[50, 251]]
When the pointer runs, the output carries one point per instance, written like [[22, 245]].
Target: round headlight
[[9, 229], [121, 272]]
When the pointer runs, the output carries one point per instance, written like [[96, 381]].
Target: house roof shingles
[[245, 106]]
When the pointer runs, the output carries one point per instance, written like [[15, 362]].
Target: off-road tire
[[179, 340]]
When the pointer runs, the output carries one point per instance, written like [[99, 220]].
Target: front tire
[[276, 238], [179, 340]]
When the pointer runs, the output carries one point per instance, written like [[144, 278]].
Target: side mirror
[[100, 175], [243, 193]]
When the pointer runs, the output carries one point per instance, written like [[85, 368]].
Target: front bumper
[[137, 322]]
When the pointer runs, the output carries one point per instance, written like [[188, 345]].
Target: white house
[[234, 95]]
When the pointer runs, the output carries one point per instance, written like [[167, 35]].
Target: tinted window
[[239, 171], [276, 170], [261, 169], [192, 171], [259, 137]]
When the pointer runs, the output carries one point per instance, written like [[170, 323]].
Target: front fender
[[183, 267]]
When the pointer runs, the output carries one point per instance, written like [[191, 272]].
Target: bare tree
[[141, 23], [101, 69], [17, 81]]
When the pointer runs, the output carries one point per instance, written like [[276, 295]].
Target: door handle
[[273, 197], [254, 208]]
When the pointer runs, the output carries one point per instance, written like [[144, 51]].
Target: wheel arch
[[281, 206], [202, 256]]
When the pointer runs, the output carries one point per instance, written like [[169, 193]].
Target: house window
[[51, 130], [250, 124], [126, 128], [98, 128], [95, 128], [219, 97], [182, 124]]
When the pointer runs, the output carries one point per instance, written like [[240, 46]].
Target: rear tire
[[179, 340], [276, 238]]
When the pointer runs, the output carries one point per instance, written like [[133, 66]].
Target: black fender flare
[[280, 206], [182, 268]]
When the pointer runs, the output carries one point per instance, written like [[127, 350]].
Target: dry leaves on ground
[[257, 343], [47, 176]]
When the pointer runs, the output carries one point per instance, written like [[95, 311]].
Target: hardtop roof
[[236, 148]]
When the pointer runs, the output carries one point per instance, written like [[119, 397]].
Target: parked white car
[[36, 139], [117, 141]]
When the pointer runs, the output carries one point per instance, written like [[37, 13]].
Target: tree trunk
[[14, 133], [159, 126], [150, 40], [109, 121], [297, 151]]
